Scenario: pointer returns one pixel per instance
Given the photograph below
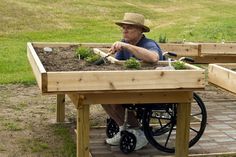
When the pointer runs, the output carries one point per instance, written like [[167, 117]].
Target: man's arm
[[139, 52]]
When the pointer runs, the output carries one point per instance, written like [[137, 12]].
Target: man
[[134, 44]]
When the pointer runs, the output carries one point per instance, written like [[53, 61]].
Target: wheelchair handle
[[172, 54], [186, 59]]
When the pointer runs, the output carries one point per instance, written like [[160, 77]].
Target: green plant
[[132, 63], [92, 58], [12, 126], [178, 65], [69, 146], [83, 52], [86, 54], [163, 39], [33, 145]]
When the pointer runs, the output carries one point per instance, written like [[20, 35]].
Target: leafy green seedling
[[178, 65], [93, 58], [132, 63], [83, 52]]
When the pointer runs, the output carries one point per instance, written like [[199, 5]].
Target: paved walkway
[[219, 136]]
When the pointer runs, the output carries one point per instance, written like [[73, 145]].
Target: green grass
[[69, 146], [11, 126], [2, 148], [24, 21], [38, 146], [33, 145]]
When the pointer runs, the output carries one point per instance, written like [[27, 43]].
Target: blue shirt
[[144, 43]]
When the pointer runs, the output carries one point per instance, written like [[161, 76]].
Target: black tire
[[112, 128], [162, 134], [127, 142]]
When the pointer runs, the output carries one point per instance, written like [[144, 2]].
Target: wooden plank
[[218, 49], [68, 44], [75, 98], [223, 77], [215, 59], [141, 97], [125, 80], [227, 65], [103, 54], [36, 65], [60, 108], [192, 66], [187, 49], [182, 130], [229, 154], [83, 130], [82, 136]]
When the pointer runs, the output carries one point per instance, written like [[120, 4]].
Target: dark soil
[[63, 59]]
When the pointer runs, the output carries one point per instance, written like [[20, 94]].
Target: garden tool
[[102, 59]]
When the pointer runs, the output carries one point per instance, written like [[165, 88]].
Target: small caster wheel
[[127, 142], [112, 128]]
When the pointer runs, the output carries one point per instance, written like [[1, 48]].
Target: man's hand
[[117, 46]]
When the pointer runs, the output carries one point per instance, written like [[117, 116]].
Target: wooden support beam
[[82, 129], [182, 130], [138, 97], [60, 108], [82, 137]]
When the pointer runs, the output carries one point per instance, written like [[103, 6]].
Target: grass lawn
[[93, 21]]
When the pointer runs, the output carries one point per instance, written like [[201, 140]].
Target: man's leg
[[117, 113]]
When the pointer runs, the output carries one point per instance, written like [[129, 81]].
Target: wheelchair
[[158, 122]]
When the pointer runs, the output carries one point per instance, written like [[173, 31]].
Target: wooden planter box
[[97, 81], [118, 87], [204, 52], [222, 75]]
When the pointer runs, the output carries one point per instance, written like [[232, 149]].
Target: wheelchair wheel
[[127, 142], [160, 125], [112, 128]]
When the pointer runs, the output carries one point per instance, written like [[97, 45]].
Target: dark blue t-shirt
[[144, 43]]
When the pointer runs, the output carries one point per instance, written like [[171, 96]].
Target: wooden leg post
[[60, 108], [182, 130], [82, 136], [82, 129]]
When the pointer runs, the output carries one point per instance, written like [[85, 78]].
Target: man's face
[[131, 33]]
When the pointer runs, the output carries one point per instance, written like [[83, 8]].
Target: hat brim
[[145, 28]]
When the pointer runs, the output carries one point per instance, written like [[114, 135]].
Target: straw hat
[[134, 19]]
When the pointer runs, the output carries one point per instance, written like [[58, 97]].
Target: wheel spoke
[[168, 137], [194, 130], [160, 122], [196, 114], [161, 129]]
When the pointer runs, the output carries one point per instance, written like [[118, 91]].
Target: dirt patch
[[27, 123], [63, 59]]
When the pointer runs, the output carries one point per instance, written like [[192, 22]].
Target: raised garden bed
[[204, 52], [62, 73], [223, 75]]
